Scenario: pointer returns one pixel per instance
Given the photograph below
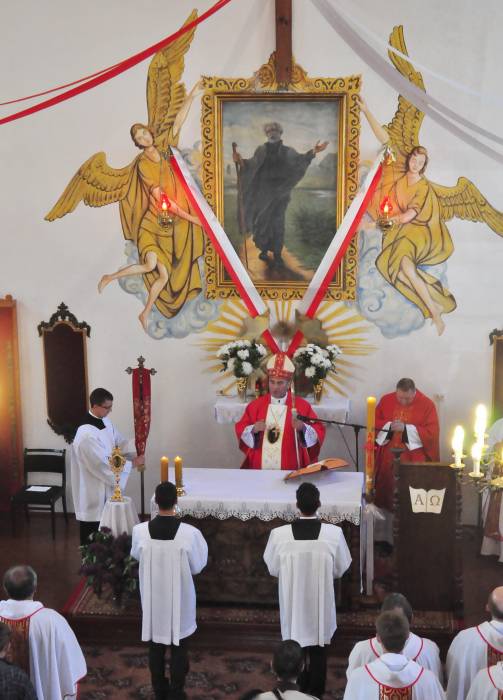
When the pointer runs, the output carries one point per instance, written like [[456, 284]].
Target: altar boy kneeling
[[170, 553]]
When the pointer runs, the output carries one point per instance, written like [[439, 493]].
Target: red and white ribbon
[[318, 286], [215, 232]]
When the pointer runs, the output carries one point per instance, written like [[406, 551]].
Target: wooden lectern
[[427, 536]]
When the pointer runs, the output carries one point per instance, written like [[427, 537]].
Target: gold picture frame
[[233, 106]]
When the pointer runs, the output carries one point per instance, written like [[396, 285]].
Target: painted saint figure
[[267, 180], [419, 237], [168, 257]]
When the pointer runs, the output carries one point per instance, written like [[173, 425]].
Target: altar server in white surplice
[[306, 556], [42, 641], [419, 649], [488, 684], [92, 479], [170, 553], [475, 648], [393, 675]]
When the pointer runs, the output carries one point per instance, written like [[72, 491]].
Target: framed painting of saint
[[280, 169]]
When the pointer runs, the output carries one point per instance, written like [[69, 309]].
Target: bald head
[[20, 582], [495, 604]]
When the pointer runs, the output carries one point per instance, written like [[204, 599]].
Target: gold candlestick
[[180, 491], [117, 462]]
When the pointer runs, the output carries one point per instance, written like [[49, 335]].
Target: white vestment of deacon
[[393, 671], [491, 546], [92, 479], [472, 650], [425, 652], [306, 570], [488, 684], [56, 660], [168, 596]]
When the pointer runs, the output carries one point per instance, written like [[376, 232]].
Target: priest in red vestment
[[270, 434], [407, 419]]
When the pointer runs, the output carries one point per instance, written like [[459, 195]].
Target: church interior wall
[[43, 264]]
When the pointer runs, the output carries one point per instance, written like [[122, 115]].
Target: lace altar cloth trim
[[264, 494], [198, 510]]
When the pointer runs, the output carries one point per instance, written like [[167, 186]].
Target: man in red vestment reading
[[269, 433], [407, 419]]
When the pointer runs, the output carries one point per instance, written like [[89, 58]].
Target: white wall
[[45, 263]]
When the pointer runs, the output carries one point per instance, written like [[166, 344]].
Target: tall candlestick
[[457, 445], [369, 448], [178, 471], [476, 456], [164, 468]]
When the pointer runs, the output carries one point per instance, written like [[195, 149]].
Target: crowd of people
[[40, 656]]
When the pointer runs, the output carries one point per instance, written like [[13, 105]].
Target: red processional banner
[[141, 407]]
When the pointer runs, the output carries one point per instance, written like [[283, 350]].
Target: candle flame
[[458, 439]]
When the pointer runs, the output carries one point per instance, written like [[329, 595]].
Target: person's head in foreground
[[20, 582], [308, 499], [165, 496], [392, 630], [398, 603]]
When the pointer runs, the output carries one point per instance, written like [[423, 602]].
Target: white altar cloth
[[229, 409], [253, 493], [119, 516]]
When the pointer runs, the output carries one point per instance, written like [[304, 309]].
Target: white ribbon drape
[[420, 99]]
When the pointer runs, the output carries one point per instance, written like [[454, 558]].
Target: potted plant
[[106, 560]]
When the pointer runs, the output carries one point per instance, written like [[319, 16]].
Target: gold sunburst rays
[[343, 326]]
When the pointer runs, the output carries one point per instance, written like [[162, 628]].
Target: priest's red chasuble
[[257, 411], [423, 415]]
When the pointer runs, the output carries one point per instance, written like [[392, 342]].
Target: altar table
[[235, 509]]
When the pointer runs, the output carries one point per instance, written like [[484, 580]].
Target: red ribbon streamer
[[115, 70], [141, 407]]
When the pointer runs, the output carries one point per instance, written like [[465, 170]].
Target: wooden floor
[[57, 562]]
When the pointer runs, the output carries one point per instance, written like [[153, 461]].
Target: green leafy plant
[[106, 560]]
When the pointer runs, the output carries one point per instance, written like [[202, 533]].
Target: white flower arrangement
[[241, 357], [316, 362]]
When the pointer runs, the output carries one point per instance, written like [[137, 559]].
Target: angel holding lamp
[[168, 256], [419, 236]]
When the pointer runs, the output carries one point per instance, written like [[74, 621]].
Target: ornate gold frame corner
[[263, 84]]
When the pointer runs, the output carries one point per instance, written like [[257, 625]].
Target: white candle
[[457, 445], [476, 456], [480, 423]]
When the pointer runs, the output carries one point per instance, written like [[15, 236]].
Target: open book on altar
[[321, 466]]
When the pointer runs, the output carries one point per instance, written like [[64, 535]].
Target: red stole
[[19, 642], [421, 413], [494, 655], [257, 411], [387, 692]]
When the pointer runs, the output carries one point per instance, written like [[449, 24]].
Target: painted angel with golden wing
[[168, 255], [419, 236]]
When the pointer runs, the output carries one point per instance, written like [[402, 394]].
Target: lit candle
[[457, 445], [369, 455], [480, 423], [164, 468], [178, 471], [476, 456]]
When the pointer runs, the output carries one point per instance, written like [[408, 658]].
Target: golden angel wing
[[405, 125], [95, 183], [465, 201], [165, 94]]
